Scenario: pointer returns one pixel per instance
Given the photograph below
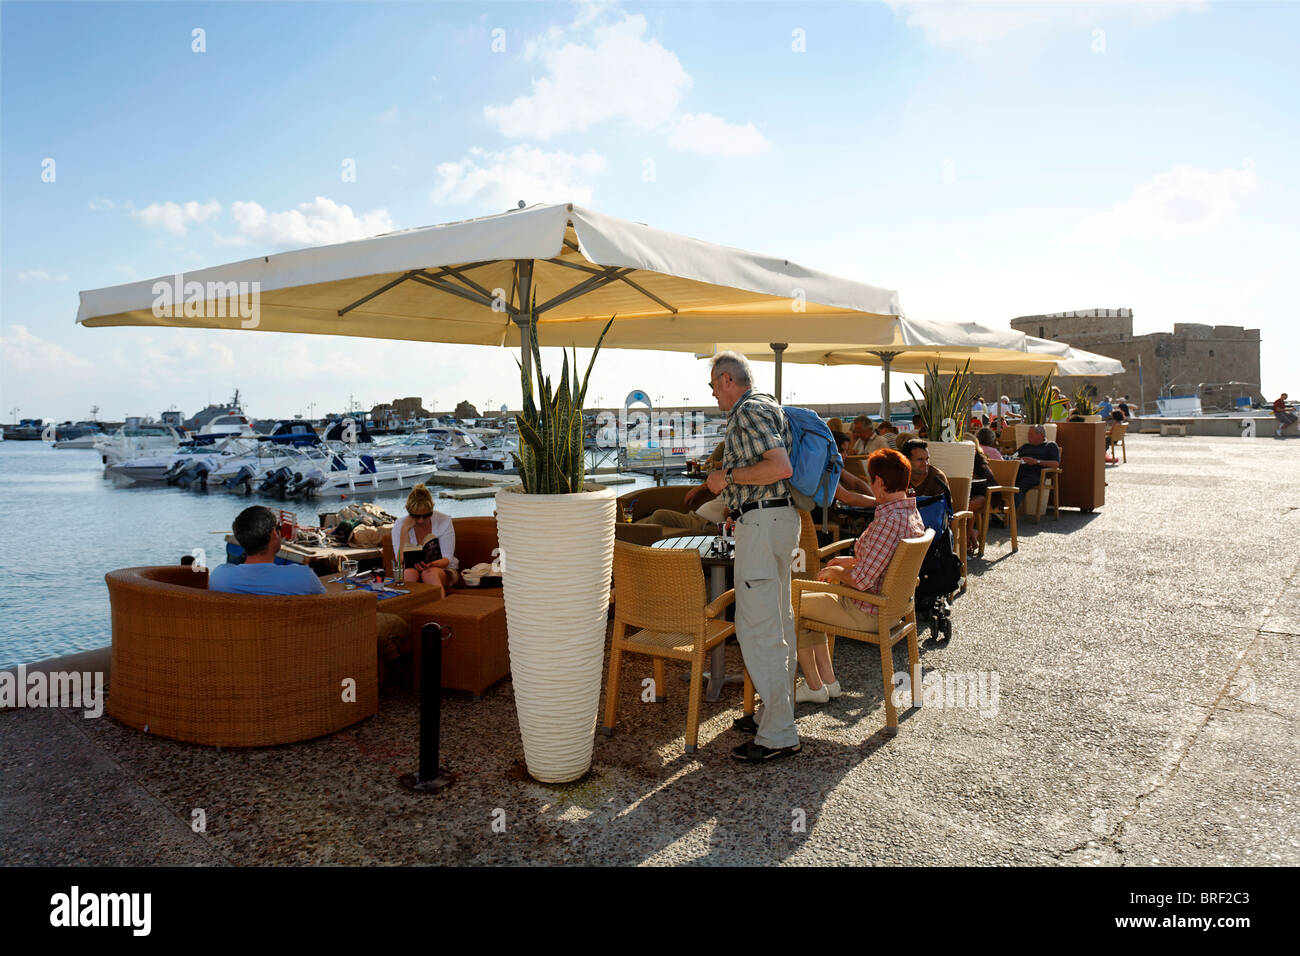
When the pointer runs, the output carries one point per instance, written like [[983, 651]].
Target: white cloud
[[618, 74], [319, 222], [500, 178], [25, 352], [174, 217], [40, 275], [389, 116], [707, 134], [980, 25], [1183, 201], [95, 205]]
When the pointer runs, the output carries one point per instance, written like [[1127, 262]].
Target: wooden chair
[[1005, 490], [661, 611], [1116, 437], [835, 424], [895, 620]]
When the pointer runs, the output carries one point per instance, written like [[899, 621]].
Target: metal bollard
[[431, 776]]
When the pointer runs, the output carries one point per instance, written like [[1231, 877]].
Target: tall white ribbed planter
[[557, 556], [954, 459]]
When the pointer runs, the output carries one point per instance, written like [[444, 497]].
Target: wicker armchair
[[959, 488], [646, 501], [814, 555], [1046, 492], [1115, 439], [235, 670], [661, 611], [1005, 493], [895, 621]]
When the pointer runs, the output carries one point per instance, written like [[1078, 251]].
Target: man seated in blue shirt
[[1038, 452], [258, 533]]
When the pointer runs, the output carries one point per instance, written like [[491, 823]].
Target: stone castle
[[1218, 363]]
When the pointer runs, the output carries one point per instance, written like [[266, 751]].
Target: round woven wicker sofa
[[236, 670]]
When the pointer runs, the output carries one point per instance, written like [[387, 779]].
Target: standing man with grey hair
[[753, 483]]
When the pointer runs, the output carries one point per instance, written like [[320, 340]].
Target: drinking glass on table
[[348, 567]]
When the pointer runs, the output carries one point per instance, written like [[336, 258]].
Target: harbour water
[[65, 526]]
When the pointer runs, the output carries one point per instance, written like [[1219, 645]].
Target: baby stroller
[[940, 571]]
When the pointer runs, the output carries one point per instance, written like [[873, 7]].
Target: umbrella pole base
[[412, 781]]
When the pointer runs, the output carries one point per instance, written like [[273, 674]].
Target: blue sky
[[985, 160]]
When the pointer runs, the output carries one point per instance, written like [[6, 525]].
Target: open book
[[429, 550]]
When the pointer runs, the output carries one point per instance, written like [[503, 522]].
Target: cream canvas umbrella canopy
[[471, 282], [932, 342]]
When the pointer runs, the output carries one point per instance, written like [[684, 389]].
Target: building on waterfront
[[1217, 363], [399, 410]]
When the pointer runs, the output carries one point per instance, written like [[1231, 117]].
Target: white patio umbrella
[[935, 342], [472, 282]]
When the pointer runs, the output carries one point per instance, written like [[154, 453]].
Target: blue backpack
[[814, 458]]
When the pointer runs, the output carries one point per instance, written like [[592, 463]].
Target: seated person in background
[[258, 533], [981, 478], [918, 427], [704, 519], [411, 532], [988, 443], [1033, 455], [1284, 416], [1124, 407], [979, 410], [896, 518], [852, 490], [1060, 405], [861, 435], [1104, 407], [1003, 412], [883, 438], [925, 480]]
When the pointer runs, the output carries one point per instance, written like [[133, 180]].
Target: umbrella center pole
[[777, 349], [886, 360], [521, 315]]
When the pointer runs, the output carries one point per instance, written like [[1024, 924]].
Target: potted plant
[[556, 532], [944, 407], [1085, 406], [1036, 407]]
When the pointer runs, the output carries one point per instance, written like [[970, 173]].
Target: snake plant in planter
[[556, 534], [1036, 407], [1084, 405], [944, 407]]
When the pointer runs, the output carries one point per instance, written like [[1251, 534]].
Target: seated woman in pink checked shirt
[[896, 518]]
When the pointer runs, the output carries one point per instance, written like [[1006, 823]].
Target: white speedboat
[[495, 455], [135, 441], [226, 425], [439, 444], [171, 467]]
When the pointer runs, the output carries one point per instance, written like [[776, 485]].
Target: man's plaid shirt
[[755, 424], [894, 521]]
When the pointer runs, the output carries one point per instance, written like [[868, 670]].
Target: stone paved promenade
[[1147, 671]]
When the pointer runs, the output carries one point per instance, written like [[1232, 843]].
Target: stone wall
[[1193, 359]]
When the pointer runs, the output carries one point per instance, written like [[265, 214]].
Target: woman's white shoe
[[833, 689], [803, 694]]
